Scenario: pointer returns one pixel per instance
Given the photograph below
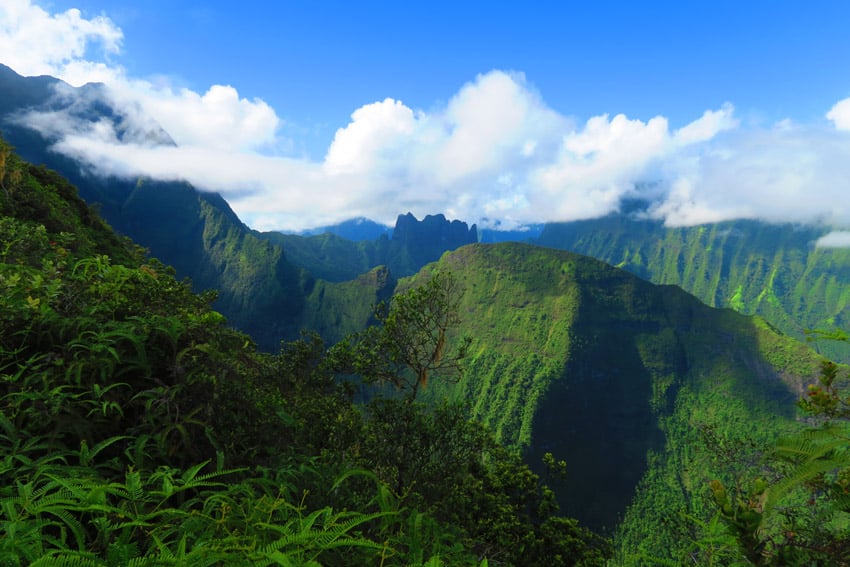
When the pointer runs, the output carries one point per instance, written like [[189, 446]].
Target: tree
[[409, 343]]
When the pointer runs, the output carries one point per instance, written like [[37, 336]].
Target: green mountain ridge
[[772, 270], [569, 351]]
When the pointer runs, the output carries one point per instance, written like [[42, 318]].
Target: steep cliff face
[[425, 241]]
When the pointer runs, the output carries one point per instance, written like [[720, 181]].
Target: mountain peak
[[436, 227]]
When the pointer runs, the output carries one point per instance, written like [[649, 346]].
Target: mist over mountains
[[781, 273]]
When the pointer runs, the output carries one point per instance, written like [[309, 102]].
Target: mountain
[[263, 280], [625, 380], [773, 270], [577, 358], [125, 396], [413, 244], [354, 229]]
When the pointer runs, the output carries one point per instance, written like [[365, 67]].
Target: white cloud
[[708, 126], [369, 140], [782, 174], [836, 239], [34, 42], [840, 114], [453, 160], [598, 165], [79, 50], [496, 122], [217, 119], [495, 152]]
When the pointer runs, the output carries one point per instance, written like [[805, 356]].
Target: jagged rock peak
[[434, 228]]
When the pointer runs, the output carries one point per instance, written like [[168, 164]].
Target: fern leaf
[[68, 560], [94, 451]]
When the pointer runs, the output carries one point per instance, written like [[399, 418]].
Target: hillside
[[753, 267], [633, 385], [137, 428], [576, 358]]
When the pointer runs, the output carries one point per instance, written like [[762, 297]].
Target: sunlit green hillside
[[614, 375], [753, 267]]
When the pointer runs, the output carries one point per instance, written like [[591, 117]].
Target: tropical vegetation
[[137, 428], [443, 413]]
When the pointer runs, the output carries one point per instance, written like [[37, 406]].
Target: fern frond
[[354, 472], [68, 560], [814, 452], [87, 454], [133, 485], [300, 536]]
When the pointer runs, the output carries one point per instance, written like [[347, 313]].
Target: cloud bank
[[495, 153]]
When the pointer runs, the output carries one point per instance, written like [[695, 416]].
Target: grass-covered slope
[[577, 358], [756, 268]]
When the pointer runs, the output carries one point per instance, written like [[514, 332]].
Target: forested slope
[[136, 428], [753, 267], [617, 377]]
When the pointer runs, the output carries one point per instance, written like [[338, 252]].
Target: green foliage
[[800, 512], [436, 460], [136, 428], [115, 379], [165, 516], [824, 398], [408, 343]]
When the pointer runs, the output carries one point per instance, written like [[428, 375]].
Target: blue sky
[[493, 112], [315, 62]]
